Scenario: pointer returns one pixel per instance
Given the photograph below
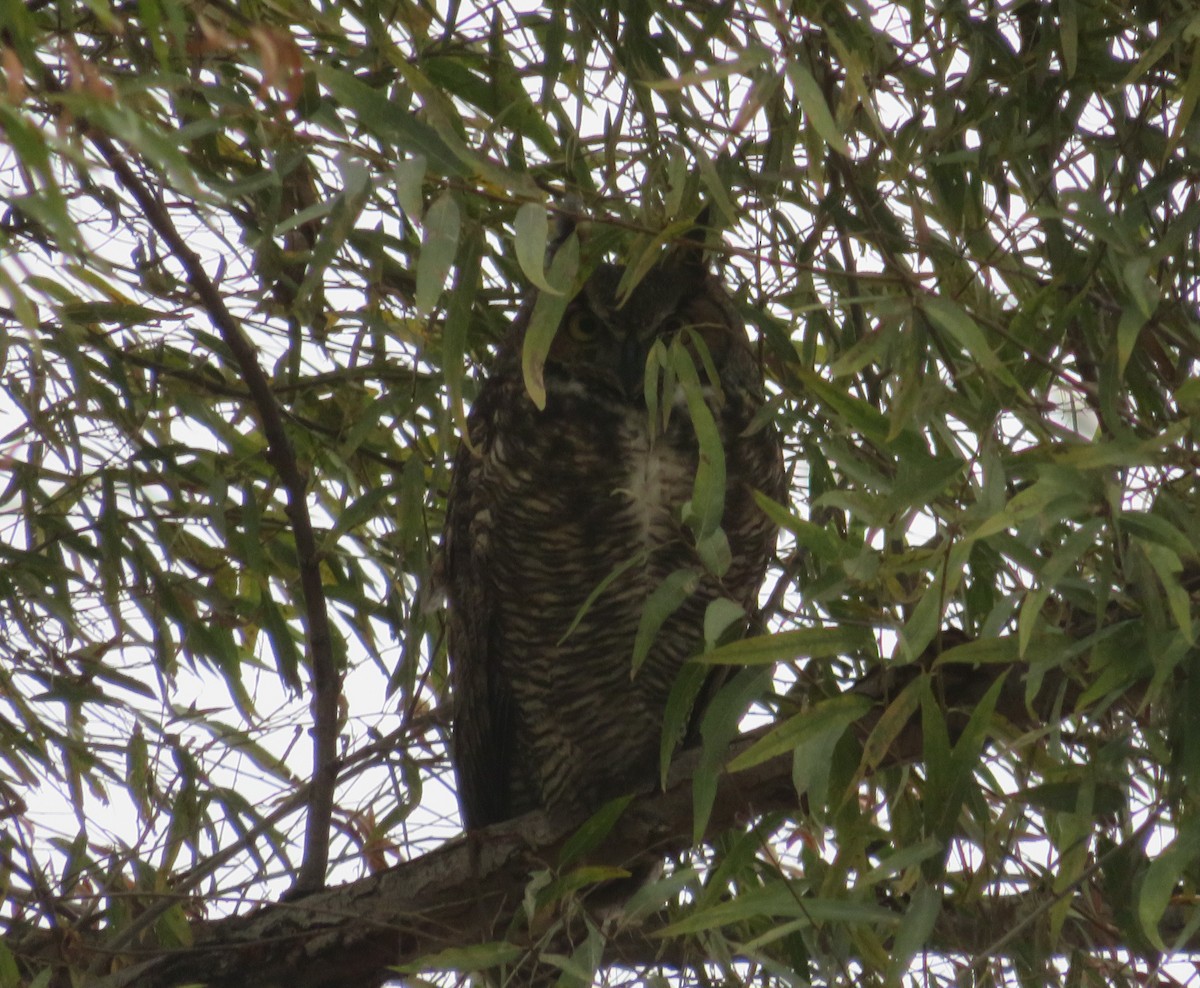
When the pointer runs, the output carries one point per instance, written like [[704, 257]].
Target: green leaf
[[532, 231], [715, 186], [813, 643], [1129, 328], [1050, 489], [358, 512], [947, 792], [593, 831], [395, 124], [653, 896], [813, 727], [409, 176], [1068, 35], [10, 974], [664, 600], [904, 859], [116, 313], [713, 549], [1168, 567], [1153, 528], [543, 896], [857, 414], [719, 726], [815, 108], [634, 561], [926, 618], [474, 957], [704, 511], [781, 900], [1064, 561], [895, 718], [457, 324], [137, 769], [439, 243], [955, 321], [543, 323], [1142, 290], [579, 970], [981, 651], [338, 227], [1065, 797], [1162, 879], [921, 480], [721, 615], [283, 644], [172, 929], [677, 716], [925, 904], [808, 535]]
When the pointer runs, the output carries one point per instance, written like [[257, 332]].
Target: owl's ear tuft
[[689, 253], [568, 217]]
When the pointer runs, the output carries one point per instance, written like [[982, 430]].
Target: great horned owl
[[552, 503]]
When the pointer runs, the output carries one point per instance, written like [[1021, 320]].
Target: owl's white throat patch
[[659, 479]]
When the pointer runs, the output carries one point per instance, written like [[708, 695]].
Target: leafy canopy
[[251, 257]]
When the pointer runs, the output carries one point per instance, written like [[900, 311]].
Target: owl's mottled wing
[[550, 505], [483, 734]]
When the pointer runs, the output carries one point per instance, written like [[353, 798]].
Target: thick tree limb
[[465, 892], [471, 889]]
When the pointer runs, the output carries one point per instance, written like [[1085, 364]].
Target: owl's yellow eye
[[581, 326]]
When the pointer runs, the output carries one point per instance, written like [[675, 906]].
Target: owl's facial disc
[[599, 348], [605, 341]]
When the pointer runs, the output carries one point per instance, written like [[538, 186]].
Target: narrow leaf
[[391, 122], [721, 615], [827, 718], [543, 322], [955, 322], [1162, 879], [628, 564], [663, 601], [924, 907], [593, 831], [532, 231], [474, 957], [781, 900], [812, 101], [438, 245], [409, 175], [813, 643], [457, 324]]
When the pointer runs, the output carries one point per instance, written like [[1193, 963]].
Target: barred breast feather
[[550, 504]]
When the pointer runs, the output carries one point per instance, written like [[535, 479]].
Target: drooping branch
[[282, 456]]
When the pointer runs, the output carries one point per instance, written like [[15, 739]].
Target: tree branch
[[471, 889], [281, 455]]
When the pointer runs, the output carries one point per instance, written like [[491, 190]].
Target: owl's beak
[[631, 367]]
